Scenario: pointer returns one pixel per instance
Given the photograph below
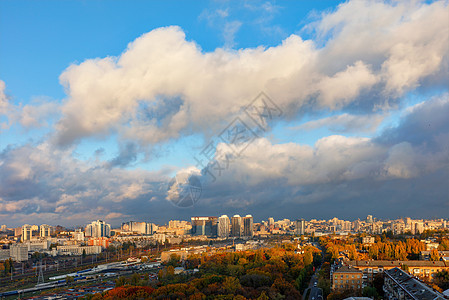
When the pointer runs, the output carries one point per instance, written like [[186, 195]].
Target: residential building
[[425, 255], [300, 227], [101, 241], [419, 268], [98, 228], [204, 226], [224, 227], [78, 250], [368, 240], [248, 226], [44, 230], [78, 235], [19, 252], [401, 286], [138, 227], [347, 277], [236, 226], [27, 232], [4, 254]]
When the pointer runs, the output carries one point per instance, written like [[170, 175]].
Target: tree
[[308, 258], [441, 279], [231, 285], [369, 291], [444, 245], [121, 281], [434, 255]]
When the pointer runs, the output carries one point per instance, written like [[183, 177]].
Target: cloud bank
[[164, 86]]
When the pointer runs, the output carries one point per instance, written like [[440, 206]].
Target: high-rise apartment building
[[248, 226], [236, 226], [27, 232], [270, 221], [98, 228], [138, 227], [204, 226], [224, 227], [44, 230], [300, 226]]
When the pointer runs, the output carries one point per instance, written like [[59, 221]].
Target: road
[[315, 292]]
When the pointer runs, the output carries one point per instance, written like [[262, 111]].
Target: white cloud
[[345, 123], [3, 100], [376, 52], [229, 32]]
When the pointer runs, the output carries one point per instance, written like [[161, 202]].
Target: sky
[[118, 110]]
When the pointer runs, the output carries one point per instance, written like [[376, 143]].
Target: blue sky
[[41, 39], [133, 91]]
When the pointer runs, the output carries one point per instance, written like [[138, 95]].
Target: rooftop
[[397, 263], [347, 269], [412, 286]]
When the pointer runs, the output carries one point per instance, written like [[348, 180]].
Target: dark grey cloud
[[404, 171]]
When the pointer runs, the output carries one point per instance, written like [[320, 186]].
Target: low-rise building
[[347, 277], [425, 255], [402, 286], [4, 254], [419, 268], [368, 240], [19, 252], [78, 250]]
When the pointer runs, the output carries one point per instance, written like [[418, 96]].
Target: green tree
[[231, 285], [121, 281], [369, 291]]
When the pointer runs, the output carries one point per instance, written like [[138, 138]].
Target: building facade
[[248, 226], [300, 227], [19, 252], [346, 278], [98, 228], [204, 226], [236, 226], [27, 232], [44, 230], [224, 227]]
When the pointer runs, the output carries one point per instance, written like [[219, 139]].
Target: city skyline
[[269, 221], [133, 114]]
